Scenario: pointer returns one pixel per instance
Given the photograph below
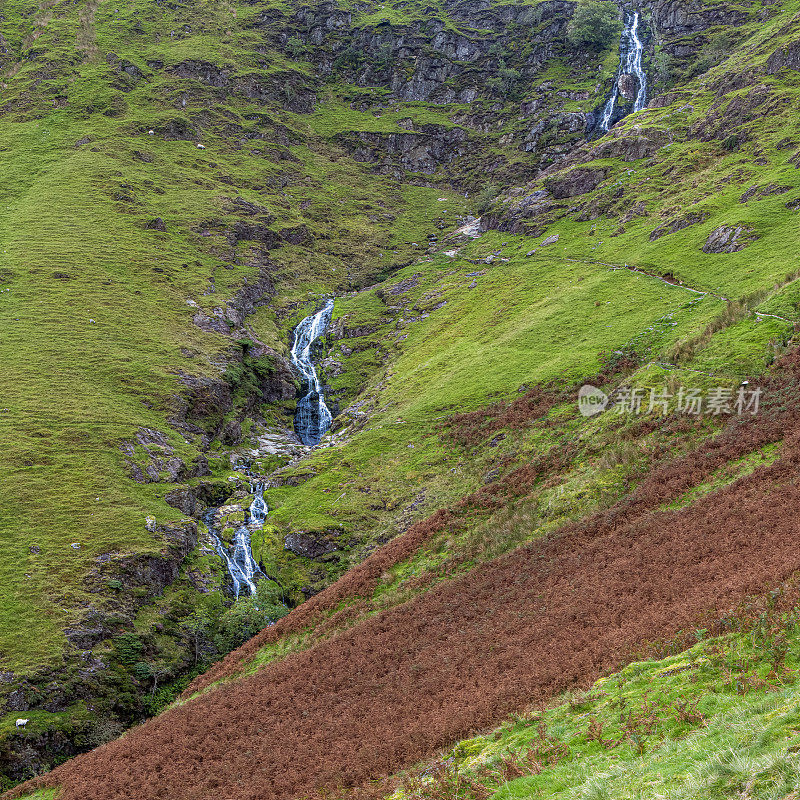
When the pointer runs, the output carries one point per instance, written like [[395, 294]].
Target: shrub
[[595, 25]]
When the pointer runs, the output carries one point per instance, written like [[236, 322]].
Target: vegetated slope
[[277, 139], [181, 185], [458, 658], [712, 721]]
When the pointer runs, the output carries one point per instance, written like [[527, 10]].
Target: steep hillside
[[180, 185], [184, 184]]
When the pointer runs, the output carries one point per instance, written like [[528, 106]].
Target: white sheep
[[21, 723]]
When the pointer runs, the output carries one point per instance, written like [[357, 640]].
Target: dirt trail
[[554, 614]]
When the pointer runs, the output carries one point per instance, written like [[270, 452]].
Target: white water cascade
[[630, 63], [311, 421], [238, 558], [313, 417]]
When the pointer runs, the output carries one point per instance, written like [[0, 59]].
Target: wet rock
[[628, 85], [729, 238], [156, 224]]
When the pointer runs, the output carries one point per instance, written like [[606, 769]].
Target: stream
[[312, 420], [238, 557], [630, 64]]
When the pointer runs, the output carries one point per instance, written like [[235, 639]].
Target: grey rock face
[[787, 57], [729, 238], [628, 85], [422, 151]]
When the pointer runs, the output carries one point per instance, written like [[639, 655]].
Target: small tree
[[595, 24]]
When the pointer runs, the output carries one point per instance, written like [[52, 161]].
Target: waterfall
[[311, 421], [313, 417], [630, 63], [238, 558]]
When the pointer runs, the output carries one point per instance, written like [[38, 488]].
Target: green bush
[[595, 25], [485, 198]]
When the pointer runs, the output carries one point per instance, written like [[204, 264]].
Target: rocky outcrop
[[760, 192], [785, 57], [423, 60], [728, 119], [120, 584], [422, 151], [310, 545], [630, 146], [574, 182], [287, 89], [729, 238], [677, 224], [151, 458], [678, 23]]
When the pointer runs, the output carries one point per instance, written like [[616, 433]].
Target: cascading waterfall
[[311, 421], [238, 558], [630, 64], [313, 417]]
